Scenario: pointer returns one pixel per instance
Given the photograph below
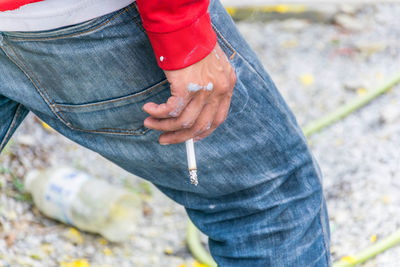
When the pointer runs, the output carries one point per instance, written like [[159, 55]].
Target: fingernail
[[149, 105], [164, 144]]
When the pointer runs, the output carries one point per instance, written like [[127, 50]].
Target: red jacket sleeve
[[180, 31], [14, 4]]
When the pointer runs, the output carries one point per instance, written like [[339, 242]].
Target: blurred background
[[320, 55]]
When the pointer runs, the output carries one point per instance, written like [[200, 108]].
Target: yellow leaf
[[47, 248], [74, 236], [349, 259], [107, 251], [35, 256], [373, 238], [75, 263], [182, 265], [361, 91], [102, 241], [282, 8], [290, 43], [231, 10], [168, 251], [386, 199], [198, 264], [47, 127], [307, 79], [310, 143]]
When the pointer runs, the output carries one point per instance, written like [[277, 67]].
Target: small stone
[[354, 85], [294, 25], [27, 140], [349, 22], [47, 248], [369, 48], [350, 9], [390, 114]]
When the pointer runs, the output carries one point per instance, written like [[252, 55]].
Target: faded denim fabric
[[259, 197]]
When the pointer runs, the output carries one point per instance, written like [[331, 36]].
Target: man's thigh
[[259, 197]]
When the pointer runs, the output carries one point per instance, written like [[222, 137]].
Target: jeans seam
[[114, 100], [72, 34], [136, 21], [10, 127], [234, 51], [223, 39], [323, 231], [130, 132], [46, 97]]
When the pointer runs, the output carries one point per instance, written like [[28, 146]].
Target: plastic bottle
[[90, 204]]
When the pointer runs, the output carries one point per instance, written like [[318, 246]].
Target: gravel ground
[[317, 67]]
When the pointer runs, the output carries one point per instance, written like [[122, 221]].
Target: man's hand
[[199, 103]]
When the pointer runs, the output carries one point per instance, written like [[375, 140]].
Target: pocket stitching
[[45, 96], [118, 99], [222, 38], [136, 21], [114, 131]]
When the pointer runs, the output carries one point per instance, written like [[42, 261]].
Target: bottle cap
[[29, 178]]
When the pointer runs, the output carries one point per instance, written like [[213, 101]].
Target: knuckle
[[224, 84], [187, 124], [233, 77], [198, 129], [176, 112], [203, 128]]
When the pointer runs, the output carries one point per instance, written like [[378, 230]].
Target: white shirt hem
[[50, 14]]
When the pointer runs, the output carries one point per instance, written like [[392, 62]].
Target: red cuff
[[14, 4], [186, 46]]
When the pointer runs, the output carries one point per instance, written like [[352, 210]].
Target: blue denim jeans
[[259, 198]]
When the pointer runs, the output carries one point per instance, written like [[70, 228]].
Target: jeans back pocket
[[122, 115], [97, 82]]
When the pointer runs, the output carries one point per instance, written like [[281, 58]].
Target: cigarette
[[191, 158]]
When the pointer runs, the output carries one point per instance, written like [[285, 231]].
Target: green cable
[[348, 108], [195, 247], [370, 252], [200, 253]]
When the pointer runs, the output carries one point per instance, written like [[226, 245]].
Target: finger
[[202, 124], [186, 119], [172, 108], [219, 118]]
